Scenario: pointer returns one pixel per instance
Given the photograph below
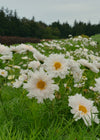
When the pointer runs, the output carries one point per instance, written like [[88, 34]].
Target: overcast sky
[[49, 11]]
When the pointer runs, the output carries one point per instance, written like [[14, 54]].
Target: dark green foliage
[[12, 25]]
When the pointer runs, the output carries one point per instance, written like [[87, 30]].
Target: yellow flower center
[[83, 109], [57, 65], [41, 84], [2, 72], [84, 77]]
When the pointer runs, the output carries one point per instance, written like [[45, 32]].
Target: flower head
[[41, 86], [97, 85], [83, 108], [57, 65], [3, 73]]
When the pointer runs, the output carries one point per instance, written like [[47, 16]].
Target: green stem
[[47, 105]]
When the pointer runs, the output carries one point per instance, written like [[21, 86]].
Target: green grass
[[22, 118], [96, 38]]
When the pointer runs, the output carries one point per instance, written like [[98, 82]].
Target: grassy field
[[50, 117], [96, 38]]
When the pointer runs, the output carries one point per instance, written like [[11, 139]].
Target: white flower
[[25, 57], [75, 69], [83, 108], [7, 68], [92, 88], [77, 46], [3, 73], [16, 67], [6, 57], [41, 86], [4, 50], [13, 49], [24, 65], [22, 48], [10, 77], [97, 65], [22, 71], [23, 77], [28, 47], [17, 83], [69, 35], [93, 43], [77, 75], [38, 56], [34, 64], [79, 85], [97, 85], [91, 66], [56, 65]]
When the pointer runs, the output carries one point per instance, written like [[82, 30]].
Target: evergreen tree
[[12, 25]]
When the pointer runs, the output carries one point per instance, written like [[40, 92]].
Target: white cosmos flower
[[41, 86], [56, 65], [3, 73], [83, 108]]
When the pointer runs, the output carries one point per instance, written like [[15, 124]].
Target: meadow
[[50, 90], [96, 38]]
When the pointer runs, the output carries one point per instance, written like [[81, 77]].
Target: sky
[[49, 11]]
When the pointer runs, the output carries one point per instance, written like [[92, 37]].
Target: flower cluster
[[45, 68]]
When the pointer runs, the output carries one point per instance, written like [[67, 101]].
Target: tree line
[[12, 25]]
